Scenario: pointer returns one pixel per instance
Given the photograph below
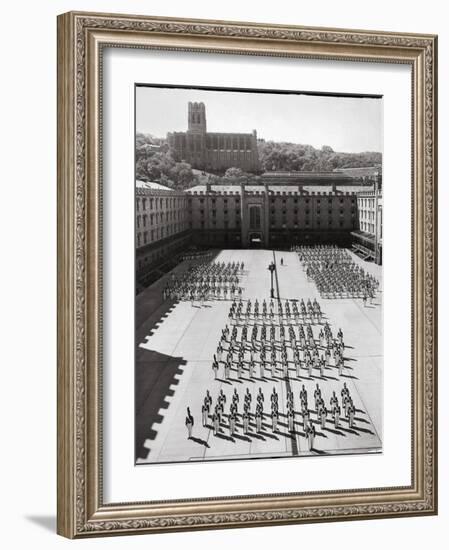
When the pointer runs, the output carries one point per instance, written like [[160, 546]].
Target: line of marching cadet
[[242, 413]]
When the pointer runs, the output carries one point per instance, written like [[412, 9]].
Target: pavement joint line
[[294, 443]]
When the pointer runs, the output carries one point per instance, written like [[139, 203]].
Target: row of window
[[273, 200], [367, 215], [367, 203], [153, 256], [367, 227], [146, 237], [283, 224], [142, 220], [158, 203]]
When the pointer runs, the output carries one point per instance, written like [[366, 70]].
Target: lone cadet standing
[[189, 423]]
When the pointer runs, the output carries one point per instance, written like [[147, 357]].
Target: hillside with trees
[[155, 162], [305, 158]]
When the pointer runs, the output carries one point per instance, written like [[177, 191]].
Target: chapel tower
[[197, 118]]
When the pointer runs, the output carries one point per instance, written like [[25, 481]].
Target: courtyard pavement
[[175, 344]]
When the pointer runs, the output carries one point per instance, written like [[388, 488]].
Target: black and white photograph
[[258, 309]]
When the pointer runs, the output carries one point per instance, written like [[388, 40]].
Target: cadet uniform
[[189, 423]]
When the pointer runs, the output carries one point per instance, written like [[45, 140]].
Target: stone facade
[[213, 151], [270, 216], [168, 222], [369, 236], [162, 227]]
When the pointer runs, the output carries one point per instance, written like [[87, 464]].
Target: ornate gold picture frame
[[82, 38]]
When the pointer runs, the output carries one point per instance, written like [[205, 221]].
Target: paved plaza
[[175, 346]]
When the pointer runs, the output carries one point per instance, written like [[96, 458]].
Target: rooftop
[[277, 188], [152, 185]]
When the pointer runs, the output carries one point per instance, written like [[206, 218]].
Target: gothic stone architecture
[[169, 222], [368, 236], [162, 228], [271, 216], [213, 151]]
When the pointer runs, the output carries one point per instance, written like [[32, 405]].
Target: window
[[138, 205], [138, 239], [138, 221], [255, 217]]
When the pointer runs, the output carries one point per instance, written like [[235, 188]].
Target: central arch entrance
[[255, 239]]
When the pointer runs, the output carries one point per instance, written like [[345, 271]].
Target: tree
[[300, 157], [234, 176]]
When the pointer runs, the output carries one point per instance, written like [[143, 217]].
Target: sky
[[351, 125]]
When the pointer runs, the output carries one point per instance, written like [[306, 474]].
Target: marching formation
[[282, 338], [255, 413], [206, 281], [335, 274], [277, 340]]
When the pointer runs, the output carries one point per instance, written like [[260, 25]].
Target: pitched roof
[[152, 185]]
